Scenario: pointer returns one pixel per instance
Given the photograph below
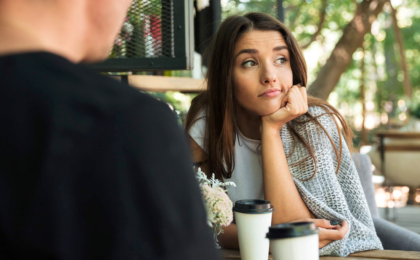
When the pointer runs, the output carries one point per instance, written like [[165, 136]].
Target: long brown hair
[[219, 98]]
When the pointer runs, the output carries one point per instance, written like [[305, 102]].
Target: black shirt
[[92, 169]]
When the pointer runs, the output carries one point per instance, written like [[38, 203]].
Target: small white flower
[[217, 203]]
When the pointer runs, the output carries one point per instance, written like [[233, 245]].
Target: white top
[[328, 195], [247, 174]]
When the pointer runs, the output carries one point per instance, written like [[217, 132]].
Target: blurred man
[[89, 168]]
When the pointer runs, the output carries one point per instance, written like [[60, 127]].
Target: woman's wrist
[[270, 128]]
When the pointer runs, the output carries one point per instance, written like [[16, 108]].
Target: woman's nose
[[268, 75]]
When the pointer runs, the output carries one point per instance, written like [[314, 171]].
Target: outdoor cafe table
[[366, 255]]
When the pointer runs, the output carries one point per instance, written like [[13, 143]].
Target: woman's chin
[[268, 112], [269, 108], [259, 110]]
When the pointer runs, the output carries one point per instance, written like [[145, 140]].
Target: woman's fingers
[[304, 96], [302, 90], [334, 234], [327, 232], [321, 223], [292, 103], [330, 234], [301, 102], [285, 99], [297, 100]]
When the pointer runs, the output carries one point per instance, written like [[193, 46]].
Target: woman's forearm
[[279, 187], [229, 237]]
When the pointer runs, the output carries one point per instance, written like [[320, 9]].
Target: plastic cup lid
[[290, 230], [253, 206]]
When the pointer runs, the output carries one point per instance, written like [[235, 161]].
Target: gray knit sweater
[[329, 195]]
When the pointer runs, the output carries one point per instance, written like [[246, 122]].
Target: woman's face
[[262, 72]]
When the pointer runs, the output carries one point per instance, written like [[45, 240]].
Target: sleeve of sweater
[[330, 194]]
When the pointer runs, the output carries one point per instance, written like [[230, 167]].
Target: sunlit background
[[378, 92], [386, 103]]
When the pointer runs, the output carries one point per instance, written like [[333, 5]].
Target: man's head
[[81, 30]]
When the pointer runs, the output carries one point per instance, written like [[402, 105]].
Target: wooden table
[[366, 255]]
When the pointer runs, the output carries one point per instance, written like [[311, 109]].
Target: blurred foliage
[[383, 74], [383, 81], [178, 102], [416, 111], [302, 17]]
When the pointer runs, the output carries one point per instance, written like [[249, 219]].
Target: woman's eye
[[281, 60], [249, 63]]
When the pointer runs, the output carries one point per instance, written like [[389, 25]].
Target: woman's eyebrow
[[251, 51], [255, 51], [279, 48]]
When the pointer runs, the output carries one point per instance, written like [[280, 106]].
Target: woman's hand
[[328, 235], [293, 105], [327, 232]]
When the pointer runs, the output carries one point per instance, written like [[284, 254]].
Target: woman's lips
[[270, 93]]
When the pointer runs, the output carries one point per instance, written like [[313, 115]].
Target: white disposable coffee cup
[[294, 241], [253, 219]]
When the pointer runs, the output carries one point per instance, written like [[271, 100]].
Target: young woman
[[256, 126]]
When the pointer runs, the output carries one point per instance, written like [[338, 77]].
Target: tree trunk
[[341, 56], [320, 25], [391, 67], [364, 140], [398, 35]]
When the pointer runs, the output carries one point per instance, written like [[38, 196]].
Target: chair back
[[364, 169]]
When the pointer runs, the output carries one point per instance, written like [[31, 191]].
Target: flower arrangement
[[217, 203]]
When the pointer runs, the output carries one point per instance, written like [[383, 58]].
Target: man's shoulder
[[50, 79], [117, 97]]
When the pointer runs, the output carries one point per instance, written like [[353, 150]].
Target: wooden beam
[[162, 84], [399, 135], [229, 254], [401, 148], [388, 254]]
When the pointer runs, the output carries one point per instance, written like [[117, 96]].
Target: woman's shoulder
[[197, 130], [318, 110], [199, 121], [202, 114], [322, 114]]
